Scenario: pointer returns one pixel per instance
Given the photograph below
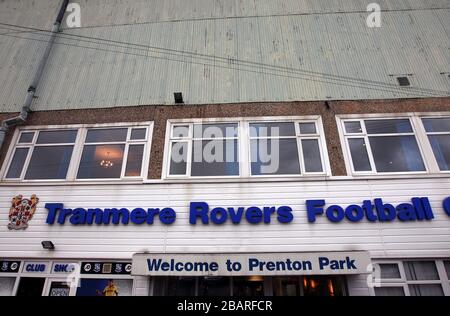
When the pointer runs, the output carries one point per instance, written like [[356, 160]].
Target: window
[[112, 153], [46, 155], [245, 148], [438, 132], [403, 81], [204, 150], [284, 145], [413, 278], [79, 153], [407, 144], [383, 146]]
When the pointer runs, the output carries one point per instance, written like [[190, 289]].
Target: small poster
[[59, 289], [105, 287]]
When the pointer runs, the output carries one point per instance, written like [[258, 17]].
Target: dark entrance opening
[[31, 287], [250, 286]]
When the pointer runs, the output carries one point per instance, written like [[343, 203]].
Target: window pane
[[396, 154], [215, 158], [441, 150], [7, 286], [353, 127], [447, 268], [437, 124], [274, 156], [49, 162], [106, 135], [181, 286], [388, 126], [421, 270], [389, 291], [134, 161], [426, 290], [180, 131], [311, 155], [215, 130], [26, 137], [272, 129], [57, 137], [16, 166], [307, 128], [178, 158], [101, 161], [214, 286], [138, 133], [360, 158], [389, 271], [105, 287]]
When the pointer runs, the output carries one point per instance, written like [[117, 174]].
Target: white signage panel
[[315, 263]]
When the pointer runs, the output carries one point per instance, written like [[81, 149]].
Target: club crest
[[21, 211]]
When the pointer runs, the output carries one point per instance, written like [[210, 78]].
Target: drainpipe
[[22, 117]]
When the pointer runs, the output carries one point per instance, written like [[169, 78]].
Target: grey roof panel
[[264, 51]]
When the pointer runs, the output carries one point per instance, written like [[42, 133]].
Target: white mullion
[[128, 134], [146, 159], [125, 154], [124, 160], [301, 158], [406, 289], [368, 147], [26, 162], [326, 169], [78, 151], [424, 145], [35, 137], [244, 152], [445, 282], [189, 150]]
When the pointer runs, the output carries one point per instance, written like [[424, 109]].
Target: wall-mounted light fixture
[[47, 244]]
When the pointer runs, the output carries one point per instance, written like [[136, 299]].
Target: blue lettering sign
[[446, 206], [419, 209], [63, 268], [35, 267]]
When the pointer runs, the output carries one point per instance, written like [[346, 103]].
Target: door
[[58, 287], [30, 286]]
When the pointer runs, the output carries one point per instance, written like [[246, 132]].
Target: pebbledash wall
[[392, 241]]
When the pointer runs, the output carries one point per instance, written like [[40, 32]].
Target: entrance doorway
[[31, 287], [249, 286]]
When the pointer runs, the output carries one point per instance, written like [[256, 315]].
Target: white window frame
[[403, 282], [190, 140], [78, 150], [423, 130], [244, 145], [415, 118]]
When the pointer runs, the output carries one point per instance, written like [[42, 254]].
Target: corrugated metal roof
[[263, 51]]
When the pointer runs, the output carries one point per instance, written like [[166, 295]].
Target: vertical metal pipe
[[22, 117]]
